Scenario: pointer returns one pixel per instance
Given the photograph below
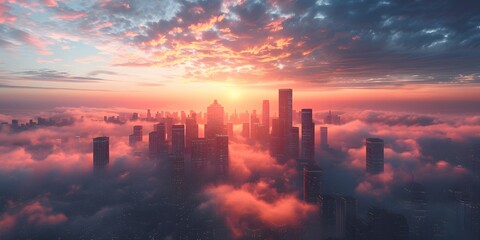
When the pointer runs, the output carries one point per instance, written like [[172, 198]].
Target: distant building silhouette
[[215, 120], [374, 155], [230, 132], [101, 152], [324, 137], [149, 115], [246, 130], [137, 135], [134, 117], [332, 119]]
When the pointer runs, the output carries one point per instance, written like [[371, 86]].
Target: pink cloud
[[70, 15], [256, 203], [37, 213], [377, 185], [247, 161], [50, 3], [7, 222], [5, 16]]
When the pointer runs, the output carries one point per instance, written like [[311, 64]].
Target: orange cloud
[[201, 27], [258, 204]]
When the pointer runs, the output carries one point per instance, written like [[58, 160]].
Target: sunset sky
[[183, 54]]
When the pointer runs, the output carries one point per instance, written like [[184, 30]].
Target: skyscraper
[[132, 140], [386, 225], [178, 179], [308, 135], [312, 183], [324, 137], [294, 146], [266, 116], [374, 155], [191, 131], [215, 120], [168, 128], [178, 140], [138, 132], [199, 156], [153, 144], [246, 130], [137, 135], [346, 214], [149, 114], [160, 129], [284, 120], [274, 138], [230, 132], [101, 152], [222, 159]]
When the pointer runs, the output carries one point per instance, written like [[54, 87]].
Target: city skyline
[[240, 119], [223, 172]]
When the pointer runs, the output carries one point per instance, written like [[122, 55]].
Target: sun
[[234, 94]]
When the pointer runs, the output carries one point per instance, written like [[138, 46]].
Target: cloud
[[431, 149], [50, 191], [50, 3], [52, 88], [5, 15], [53, 75], [328, 44], [37, 213], [256, 205]]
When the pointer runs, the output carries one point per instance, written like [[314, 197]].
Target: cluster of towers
[[209, 155]]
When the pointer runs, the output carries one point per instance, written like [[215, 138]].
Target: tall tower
[[178, 187], [294, 142], [178, 140], [153, 145], [324, 137], [191, 131], [138, 132], [149, 114], [312, 183], [284, 120], [246, 130], [222, 161], [374, 155], [159, 128], [215, 120], [199, 154], [308, 135], [137, 135], [101, 152], [266, 115]]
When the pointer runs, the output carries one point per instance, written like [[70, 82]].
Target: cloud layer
[[366, 44]]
